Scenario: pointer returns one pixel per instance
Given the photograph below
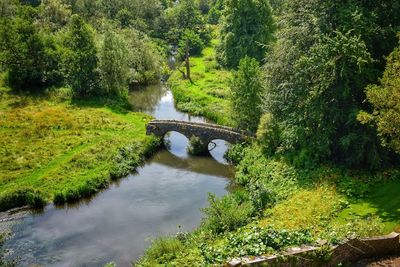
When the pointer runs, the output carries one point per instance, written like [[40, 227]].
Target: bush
[[125, 161], [80, 58], [274, 174], [196, 146], [235, 154], [254, 241], [163, 249], [246, 99], [268, 134], [226, 213], [22, 197], [30, 58]]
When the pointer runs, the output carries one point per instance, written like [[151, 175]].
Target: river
[[164, 196]]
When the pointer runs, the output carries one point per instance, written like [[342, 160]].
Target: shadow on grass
[[20, 99]]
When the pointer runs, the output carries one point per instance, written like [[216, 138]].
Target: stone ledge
[[348, 252]]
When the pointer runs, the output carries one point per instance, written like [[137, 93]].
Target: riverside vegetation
[[290, 192], [316, 83]]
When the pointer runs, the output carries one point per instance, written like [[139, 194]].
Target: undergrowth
[[278, 205]]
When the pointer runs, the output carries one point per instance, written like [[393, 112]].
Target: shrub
[[274, 174], [246, 90], [196, 146], [254, 241], [22, 197], [226, 213], [125, 161], [163, 249], [268, 134], [235, 154]]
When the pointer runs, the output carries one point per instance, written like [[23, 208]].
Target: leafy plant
[[226, 213]]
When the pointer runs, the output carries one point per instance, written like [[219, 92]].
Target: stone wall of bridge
[[205, 131]]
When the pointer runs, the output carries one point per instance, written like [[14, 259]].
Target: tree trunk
[[187, 62]]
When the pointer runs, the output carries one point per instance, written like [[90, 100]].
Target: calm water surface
[[119, 223]]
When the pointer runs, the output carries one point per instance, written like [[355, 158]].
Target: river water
[[164, 196]]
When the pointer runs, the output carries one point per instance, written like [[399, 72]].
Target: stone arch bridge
[[206, 132]]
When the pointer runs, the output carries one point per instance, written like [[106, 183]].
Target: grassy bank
[[208, 94], [279, 206], [58, 150]]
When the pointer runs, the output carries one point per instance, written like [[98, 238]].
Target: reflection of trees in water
[[201, 165], [147, 98]]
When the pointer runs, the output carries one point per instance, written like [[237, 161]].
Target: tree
[[246, 94], [326, 53], [246, 30], [80, 58], [30, 58], [113, 65], [183, 16], [189, 44], [385, 99], [53, 14]]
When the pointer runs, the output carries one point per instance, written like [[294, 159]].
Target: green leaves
[[246, 29], [81, 58], [325, 55], [385, 99], [246, 95]]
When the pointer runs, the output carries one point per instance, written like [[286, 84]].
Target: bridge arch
[[205, 132]]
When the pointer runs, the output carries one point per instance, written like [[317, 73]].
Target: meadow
[[56, 149], [209, 94]]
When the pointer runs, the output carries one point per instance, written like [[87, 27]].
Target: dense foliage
[[246, 94], [56, 42], [246, 30], [326, 53], [307, 77], [80, 58], [385, 99], [29, 57]]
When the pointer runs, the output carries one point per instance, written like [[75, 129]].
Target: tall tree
[[113, 65], [246, 30], [29, 57], [190, 43], [326, 53], [246, 94], [53, 14], [385, 99], [81, 58]]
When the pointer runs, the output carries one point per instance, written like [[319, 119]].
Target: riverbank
[[209, 94], [57, 150], [278, 205]]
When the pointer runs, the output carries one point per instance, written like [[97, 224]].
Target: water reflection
[[164, 109], [116, 224]]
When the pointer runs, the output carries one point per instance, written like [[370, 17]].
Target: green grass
[[305, 205], [383, 201], [209, 93], [60, 151]]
